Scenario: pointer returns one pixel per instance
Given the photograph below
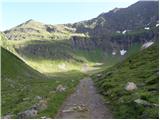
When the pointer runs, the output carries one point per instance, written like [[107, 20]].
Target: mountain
[[122, 21], [124, 37], [100, 30], [32, 29], [140, 14], [111, 36], [132, 86]]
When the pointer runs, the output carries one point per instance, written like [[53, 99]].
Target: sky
[[55, 12]]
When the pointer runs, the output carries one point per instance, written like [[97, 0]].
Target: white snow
[[124, 31], [157, 25], [123, 52], [113, 53], [146, 28], [147, 44]]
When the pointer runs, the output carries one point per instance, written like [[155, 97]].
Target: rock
[[72, 80], [68, 110], [99, 75], [31, 113], [9, 116], [79, 108], [38, 97], [144, 102], [41, 105], [140, 101], [60, 88], [44, 117], [131, 86], [156, 105]]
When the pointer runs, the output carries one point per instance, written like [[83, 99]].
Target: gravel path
[[84, 103]]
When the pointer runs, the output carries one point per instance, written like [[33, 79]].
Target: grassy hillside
[[142, 70], [21, 85]]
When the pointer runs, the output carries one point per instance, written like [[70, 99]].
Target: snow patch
[[123, 52], [147, 44], [157, 25], [124, 32], [146, 28], [113, 53]]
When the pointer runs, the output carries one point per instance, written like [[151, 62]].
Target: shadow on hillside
[[58, 50]]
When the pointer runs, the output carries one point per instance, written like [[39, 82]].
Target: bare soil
[[84, 103]]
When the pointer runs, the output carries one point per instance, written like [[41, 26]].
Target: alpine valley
[[42, 64]]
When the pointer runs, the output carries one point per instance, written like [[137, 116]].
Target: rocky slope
[[140, 14], [122, 21]]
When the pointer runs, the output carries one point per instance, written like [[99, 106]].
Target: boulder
[[38, 97], [41, 105], [144, 102], [131, 86], [9, 116], [31, 113], [60, 88], [99, 75], [140, 101], [78, 108]]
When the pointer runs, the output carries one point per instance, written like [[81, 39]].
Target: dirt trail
[[84, 103]]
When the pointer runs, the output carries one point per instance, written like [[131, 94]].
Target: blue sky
[[14, 13]]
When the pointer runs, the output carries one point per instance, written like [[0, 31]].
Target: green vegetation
[[21, 84], [38, 57], [141, 69]]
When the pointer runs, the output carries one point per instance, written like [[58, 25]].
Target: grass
[[142, 69], [20, 81], [50, 66]]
